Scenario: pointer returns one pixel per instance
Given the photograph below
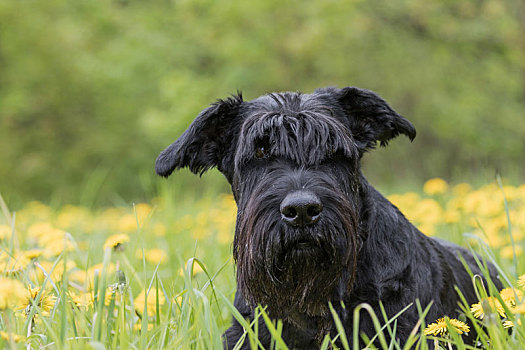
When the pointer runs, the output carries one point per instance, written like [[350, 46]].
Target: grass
[[160, 275]]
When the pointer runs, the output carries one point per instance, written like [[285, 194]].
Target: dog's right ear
[[203, 145]]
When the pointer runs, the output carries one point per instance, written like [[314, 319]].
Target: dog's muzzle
[[301, 208]]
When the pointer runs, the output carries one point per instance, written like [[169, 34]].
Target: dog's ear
[[204, 144], [371, 119]]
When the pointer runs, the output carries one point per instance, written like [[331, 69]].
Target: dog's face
[[293, 163]]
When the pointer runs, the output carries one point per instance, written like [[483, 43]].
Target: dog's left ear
[[372, 119], [204, 144]]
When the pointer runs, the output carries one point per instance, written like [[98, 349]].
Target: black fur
[[360, 248]]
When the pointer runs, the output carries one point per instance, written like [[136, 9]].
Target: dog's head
[[293, 163]]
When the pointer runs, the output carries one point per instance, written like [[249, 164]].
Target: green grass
[[190, 289]]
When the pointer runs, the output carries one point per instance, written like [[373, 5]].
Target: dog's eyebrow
[[306, 136]]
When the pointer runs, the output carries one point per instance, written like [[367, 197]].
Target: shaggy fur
[[310, 228]]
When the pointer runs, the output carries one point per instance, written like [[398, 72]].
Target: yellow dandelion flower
[[8, 336], [461, 189], [82, 300], [45, 303], [151, 300], [127, 223], [97, 270], [440, 326], [56, 243], [508, 251], [11, 292], [520, 309], [75, 217], [138, 326], [427, 229], [39, 229], [36, 211], [86, 278], [108, 220], [490, 304], [111, 294], [510, 324], [32, 254], [116, 241], [57, 273], [435, 186], [79, 277], [178, 300], [428, 211], [156, 256], [508, 295], [521, 281], [12, 264], [452, 216], [50, 235], [196, 269], [143, 210]]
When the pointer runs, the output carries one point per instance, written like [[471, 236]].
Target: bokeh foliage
[[91, 91]]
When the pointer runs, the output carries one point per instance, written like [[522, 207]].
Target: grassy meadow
[[160, 275]]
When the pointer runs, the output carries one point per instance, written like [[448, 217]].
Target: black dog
[[310, 228]]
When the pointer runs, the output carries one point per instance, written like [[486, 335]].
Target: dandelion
[[508, 251], [452, 216], [11, 292], [509, 324], [12, 264], [79, 277], [40, 229], [83, 300], [461, 189], [44, 304], [116, 241], [75, 217], [520, 309], [111, 294], [127, 223], [151, 300], [177, 300], [196, 269], [435, 186], [521, 281], [8, 336], [143, 210], [138, 326], [156, 256], [33, 254], [440, 327], [55, 274], [508, 295], [488, 304], [57, 246], [97, 270]]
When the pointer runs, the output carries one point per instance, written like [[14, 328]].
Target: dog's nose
[[301, 208]]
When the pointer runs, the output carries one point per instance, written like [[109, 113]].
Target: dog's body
[[310, 228]]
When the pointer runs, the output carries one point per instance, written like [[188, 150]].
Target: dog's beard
[[292, 270]]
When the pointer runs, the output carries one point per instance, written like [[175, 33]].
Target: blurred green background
[[92, 91]]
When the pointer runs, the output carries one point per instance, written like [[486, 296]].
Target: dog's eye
[[260, 153]]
